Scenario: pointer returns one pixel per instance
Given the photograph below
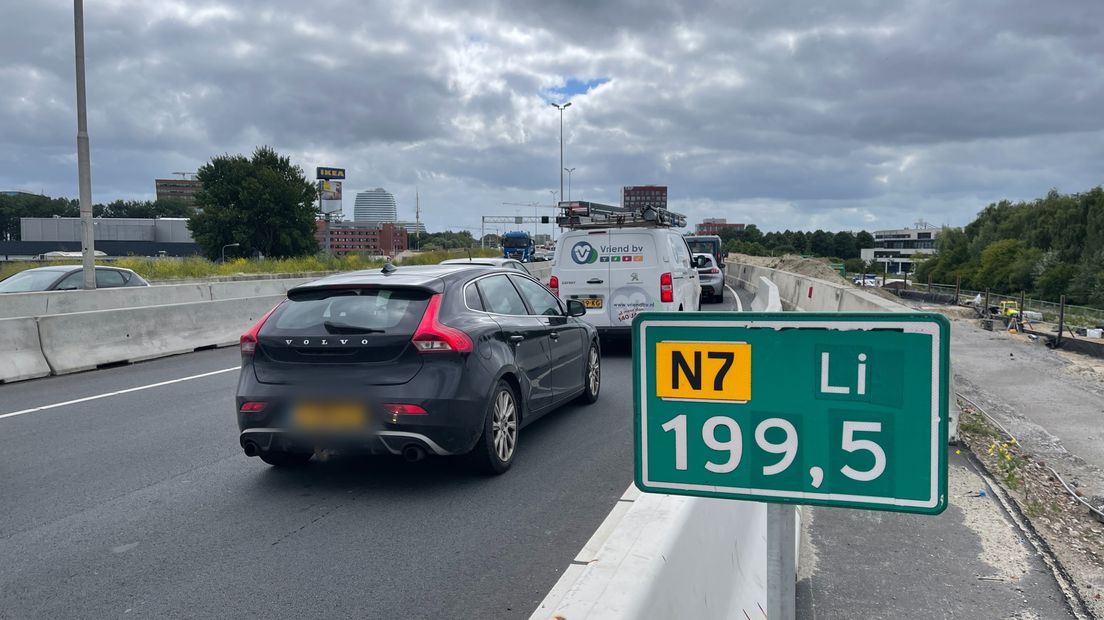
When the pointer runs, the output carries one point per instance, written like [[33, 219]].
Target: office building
[[183, 190], [375, 206], [370, 238], [165, 236], [636, 196], [412, 227], [900, 249], [714, 226]]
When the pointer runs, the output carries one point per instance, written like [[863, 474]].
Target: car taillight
[[400, 409], [666, 288], [248, 341], [714, 270], [253, 406], [554, 284], [433, 336]]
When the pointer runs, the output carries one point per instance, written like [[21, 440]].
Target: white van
[[620, 272]]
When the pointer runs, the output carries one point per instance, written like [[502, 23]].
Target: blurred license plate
[[331, 416], [592, 302]]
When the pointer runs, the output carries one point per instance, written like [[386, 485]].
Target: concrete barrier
[[85, 340], [541, 271], [766, 298], [670, 557], [253, 288], [20, 353], [63, 302]]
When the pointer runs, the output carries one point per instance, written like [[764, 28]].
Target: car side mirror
[[575, 308]]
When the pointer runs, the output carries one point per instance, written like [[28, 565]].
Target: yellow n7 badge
[[703, 371]]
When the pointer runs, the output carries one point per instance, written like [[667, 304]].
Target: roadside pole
[[781, 562], [84, 172], [1061, 320], [326, 221]]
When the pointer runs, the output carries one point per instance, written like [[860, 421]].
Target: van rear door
[[635, 265], [583, 275]]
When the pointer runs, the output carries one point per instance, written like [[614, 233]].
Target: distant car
[[865, 281], [710, 276], [444, 360], [506, 263], [67, 278], [541, 256]]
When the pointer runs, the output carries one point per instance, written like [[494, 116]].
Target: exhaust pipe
[[251, 448], [413, 453]]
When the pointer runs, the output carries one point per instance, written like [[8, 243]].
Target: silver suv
[[711, 278]]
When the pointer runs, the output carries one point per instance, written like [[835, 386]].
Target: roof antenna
[[389, 268]]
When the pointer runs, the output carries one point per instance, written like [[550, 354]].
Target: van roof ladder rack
[[581, 215]]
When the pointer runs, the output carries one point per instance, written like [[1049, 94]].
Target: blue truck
[[517, 244]]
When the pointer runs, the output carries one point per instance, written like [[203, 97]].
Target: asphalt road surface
[[141, 504]]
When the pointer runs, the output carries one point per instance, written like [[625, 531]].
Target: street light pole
[[228, 245], [553, 220], [569, 171], [561, 108], [84, 172]]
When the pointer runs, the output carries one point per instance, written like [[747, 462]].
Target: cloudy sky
[[786, 114]]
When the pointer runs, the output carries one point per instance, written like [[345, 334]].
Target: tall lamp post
[[561, 108], [553, 220], [84, 173], [569, 171]]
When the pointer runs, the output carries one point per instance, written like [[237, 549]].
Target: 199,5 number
[[734, 445]]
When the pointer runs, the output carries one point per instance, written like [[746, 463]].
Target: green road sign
[[830, 409]]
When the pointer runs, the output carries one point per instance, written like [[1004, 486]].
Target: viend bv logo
[[583, 253]]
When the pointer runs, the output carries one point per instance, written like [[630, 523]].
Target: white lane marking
[[126, 391], [739, 304]]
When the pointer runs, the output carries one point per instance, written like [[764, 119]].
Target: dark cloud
[[785, 113]]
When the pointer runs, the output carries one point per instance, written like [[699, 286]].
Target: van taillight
[[248, 341], [666, 288], [433, 336], [554, 284]]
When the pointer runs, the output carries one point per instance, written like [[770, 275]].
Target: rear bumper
[[454, 398], [380, 442]]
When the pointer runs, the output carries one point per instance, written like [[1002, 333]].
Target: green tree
[[864, 239], [844, 245], [263, 203], [820, 243]]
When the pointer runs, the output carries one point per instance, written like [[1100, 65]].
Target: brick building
[[370, 238], [714, 226]]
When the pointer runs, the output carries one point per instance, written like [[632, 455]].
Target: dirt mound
[[813, 267]]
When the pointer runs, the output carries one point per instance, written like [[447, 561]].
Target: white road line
[[126, 391], [739, 304]]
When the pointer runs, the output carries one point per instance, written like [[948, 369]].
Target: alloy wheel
[[504, 426], [594, 371]]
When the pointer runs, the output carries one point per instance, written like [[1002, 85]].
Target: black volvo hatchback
[[443, 360]]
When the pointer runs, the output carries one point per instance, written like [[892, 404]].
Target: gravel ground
[[1052, 402]]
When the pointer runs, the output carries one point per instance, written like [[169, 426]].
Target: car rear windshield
[[350, 311], [29, 281], [703, 247]]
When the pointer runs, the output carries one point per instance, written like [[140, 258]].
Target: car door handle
[[595, 281], [554, 336], [516, 338]]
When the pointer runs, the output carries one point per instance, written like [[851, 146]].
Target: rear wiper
[[345, 328]]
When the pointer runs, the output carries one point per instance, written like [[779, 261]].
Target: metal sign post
[[326, 175], [781, 562]]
